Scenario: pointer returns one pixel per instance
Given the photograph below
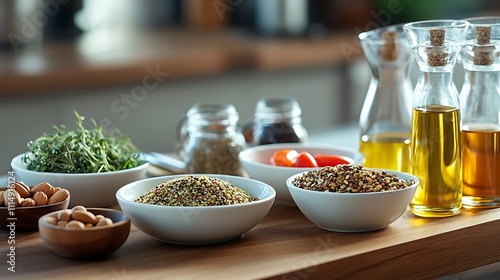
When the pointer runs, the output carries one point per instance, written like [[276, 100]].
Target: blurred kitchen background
[[139, 65]]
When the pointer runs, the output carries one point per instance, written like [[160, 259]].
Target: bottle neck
[[487, 81], [480, 98], [278, 118], [435, 88], [392, 75], [214, 128]]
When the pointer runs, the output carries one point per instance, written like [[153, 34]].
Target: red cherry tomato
[[331, 160], [305, 159], [284, 158]]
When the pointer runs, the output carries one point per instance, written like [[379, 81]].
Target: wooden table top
[[285, 245]]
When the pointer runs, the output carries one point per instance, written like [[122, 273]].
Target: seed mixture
[[346, 178], [197, 190]]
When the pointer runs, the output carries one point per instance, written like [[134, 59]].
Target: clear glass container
[[210, 140], [435, 136], [276, 120], [480, 108], [385, 120]]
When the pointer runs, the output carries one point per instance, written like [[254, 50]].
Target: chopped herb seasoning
[[197, 190], [81, 150]]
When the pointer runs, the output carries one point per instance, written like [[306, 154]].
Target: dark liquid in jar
[[276, 133]]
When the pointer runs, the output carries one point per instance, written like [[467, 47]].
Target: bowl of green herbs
[[91, 163]]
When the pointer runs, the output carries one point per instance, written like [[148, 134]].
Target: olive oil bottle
[[436, 156], [435, 134], [385, 119], [480, 106]]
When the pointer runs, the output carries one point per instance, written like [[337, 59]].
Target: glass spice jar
[[479, 104], [276, 120], [210, 140], [435, 136], [385, 119]]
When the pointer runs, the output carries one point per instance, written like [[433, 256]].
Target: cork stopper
[[483, 34], [436, 56], [483, 55], [389, 50]]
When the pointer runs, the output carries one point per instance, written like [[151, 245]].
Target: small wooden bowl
[[88, 242], [26, 218]]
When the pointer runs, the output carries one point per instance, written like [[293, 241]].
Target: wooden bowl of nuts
[[350, 198], [84, 233], [21, 205]]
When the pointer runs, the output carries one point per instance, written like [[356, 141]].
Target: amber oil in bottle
[[481, 165], [480, 107]]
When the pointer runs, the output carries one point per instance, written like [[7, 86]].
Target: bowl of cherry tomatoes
[[275, 163]]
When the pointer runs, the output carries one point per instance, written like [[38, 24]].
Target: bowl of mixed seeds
[[351, 198], [196, 209], [257, 163]]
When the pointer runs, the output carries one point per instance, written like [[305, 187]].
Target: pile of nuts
[[42, 194], [346, 178], [78, 218]]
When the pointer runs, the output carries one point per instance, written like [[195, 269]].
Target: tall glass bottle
[[385, 120], [435, 134], [480, 107]]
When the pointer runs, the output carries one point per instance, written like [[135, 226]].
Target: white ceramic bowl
[[88, 189], [353, 212], [196, 224], [257, 163]]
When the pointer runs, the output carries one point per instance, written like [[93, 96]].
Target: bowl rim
[[34, 207], [18, 163], [127, 219], [243, 154], [265, 200], [394, 172]]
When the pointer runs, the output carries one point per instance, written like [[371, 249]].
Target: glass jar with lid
[[210, 140], [276, 120]]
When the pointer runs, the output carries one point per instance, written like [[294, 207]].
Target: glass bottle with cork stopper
[[435, 135], [210, 140], [480, 107], [385, 119]]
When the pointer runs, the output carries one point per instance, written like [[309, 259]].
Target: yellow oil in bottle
[[481, 166], [436, 161], [386, 151]]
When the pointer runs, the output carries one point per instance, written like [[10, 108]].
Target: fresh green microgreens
[[81, 150]]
